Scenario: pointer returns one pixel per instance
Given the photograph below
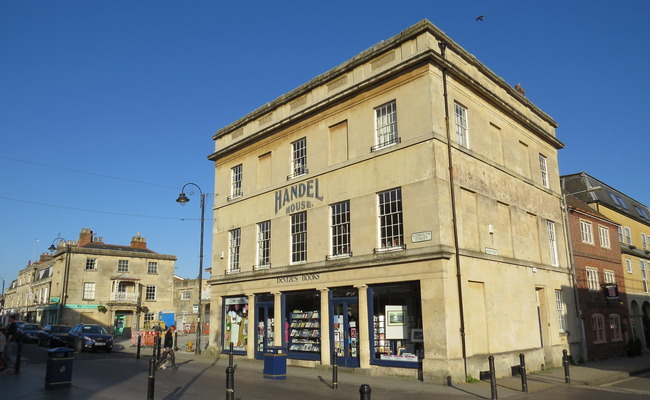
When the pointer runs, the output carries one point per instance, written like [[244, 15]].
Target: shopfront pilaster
[[364, 334]]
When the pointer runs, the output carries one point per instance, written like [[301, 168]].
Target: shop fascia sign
[[297, 197], [298, 278]]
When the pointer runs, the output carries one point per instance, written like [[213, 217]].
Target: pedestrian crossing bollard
[[230, 383], [137, 354], [335, 372], [158, 343], [230, 355], [565, 363], [493, 379], [522, 371], [151, 382], [176, 341], [364, 392]]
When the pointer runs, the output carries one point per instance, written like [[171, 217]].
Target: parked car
[[29, 332], [53, 335], [90, 337]]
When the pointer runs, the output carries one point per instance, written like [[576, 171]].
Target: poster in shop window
[[396, 317]]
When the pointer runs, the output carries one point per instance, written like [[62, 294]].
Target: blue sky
[[107, 108]]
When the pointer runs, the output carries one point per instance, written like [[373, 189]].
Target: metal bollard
[[19, 356], [176, 341], [522, 371], [137, 353], [565, 363], [154, 347], [158, 343], [493, 379], [335, 372], [151, 382], [230, 355], [364, 392], [230, 383]]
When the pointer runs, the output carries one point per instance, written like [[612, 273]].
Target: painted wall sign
[[294, 198], [298, 278], [420, 236]]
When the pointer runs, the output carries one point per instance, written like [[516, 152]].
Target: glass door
[[265, 326], [345, 331]]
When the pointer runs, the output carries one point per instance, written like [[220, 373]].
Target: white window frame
[[628, 235], [264, 245], [186, 295], [598, 328], [299, 157], [609, 276], [615, 327], [299, 238], [391, 220], [152, 267], [386, 125], [236, 174], [593, 283], [340, 229], [644, 276], [543, 169], [234, 243], [643, 241], [462, 126], [552, 242], [586, 232], [89, 291], [603, 234], [561, 310], [628, 262]]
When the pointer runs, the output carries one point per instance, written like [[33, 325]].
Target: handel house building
[[400, 212]]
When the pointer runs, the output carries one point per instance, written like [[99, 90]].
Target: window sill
[[385, 145], [232, 271], [338, 256], [235, 196], [261, 267], [392, 249]]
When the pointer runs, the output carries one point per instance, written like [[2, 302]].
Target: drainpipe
[[459, 281]]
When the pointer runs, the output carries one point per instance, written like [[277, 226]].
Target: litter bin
[[58, 371], [275, 363]]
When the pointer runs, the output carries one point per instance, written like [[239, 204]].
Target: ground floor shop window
[[235, 330], [303, 326], [396, 332]]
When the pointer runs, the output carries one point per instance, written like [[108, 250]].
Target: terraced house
[[400, 213]]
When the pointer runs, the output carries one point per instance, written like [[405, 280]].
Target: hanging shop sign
[[611, 292], [297, 197]]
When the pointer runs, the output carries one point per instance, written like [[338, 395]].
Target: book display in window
[[261, 335], [304, 331], [381, 345]]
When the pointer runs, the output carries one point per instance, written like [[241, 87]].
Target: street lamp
[[182, 199], [64, 285]]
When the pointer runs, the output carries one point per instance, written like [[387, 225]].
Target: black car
[[53, 335], [28, 332], [90, 337]]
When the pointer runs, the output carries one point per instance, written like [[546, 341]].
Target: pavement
[[122, 375]]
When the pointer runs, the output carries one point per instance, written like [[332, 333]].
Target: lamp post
[[64, 284], [182, 199]]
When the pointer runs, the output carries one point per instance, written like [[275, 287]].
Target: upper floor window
[[643, 241], [186, 295], [89, 291], [586, 232], [552, 242], [91, 263], [264, 244], [461, 125], [609, 276], [641, 211], [152, 267], [299, 158], [123, 266], [386, 124], [618, 200], [233, 250], [150, 293], [299, 237], [592, 279], [628, 263], [391, 229], [235, 181], [620, 234], [543, 169], [603, 233], [628, 235], [644, 277], [340, 228]]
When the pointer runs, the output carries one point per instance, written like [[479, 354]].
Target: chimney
[[45, 257], [85, 237], [138, 242]]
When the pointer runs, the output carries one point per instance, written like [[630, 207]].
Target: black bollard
[[565, 363], [230, 383], [154, 347], [151, 382], [230, 354], [19, 356], [493, 379], [335, 372], [364, 392], [176, 341], [137, 354], [522, 371], [158, 343]]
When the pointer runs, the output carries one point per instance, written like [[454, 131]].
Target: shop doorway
[[120, 322], [345, 331], [265, 325]]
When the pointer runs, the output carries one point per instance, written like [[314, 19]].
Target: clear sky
[[107, 108]]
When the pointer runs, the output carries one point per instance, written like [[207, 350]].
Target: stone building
[[633, 219], [400, 212], [600, 282], [118, 286]]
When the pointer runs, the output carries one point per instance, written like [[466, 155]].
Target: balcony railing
[[124, 297]]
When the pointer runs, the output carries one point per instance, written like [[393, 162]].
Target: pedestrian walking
[[168, 350]]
